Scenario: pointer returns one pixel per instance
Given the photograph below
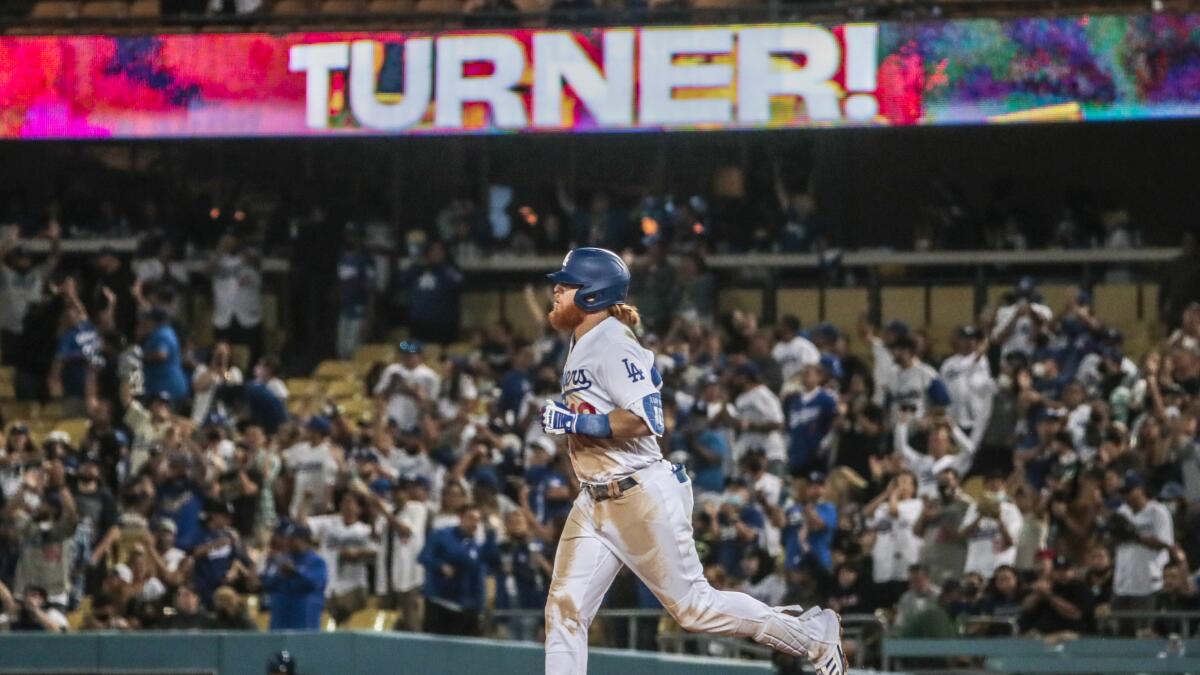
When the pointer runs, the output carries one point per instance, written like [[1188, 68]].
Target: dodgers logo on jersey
[[575, 380], [635, 374]]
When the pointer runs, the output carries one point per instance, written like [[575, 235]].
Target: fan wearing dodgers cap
[[635, 508], [1143, 549]]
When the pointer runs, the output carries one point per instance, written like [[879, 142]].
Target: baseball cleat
[[825, 653]]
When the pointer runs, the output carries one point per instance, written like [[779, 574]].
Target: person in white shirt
[[943, 439], [968, 379], [345, 542], [237, 295], [914, 385], [1146, 533], [1018, 323], [21, 286], [884, 368], [992, 527], [793, 351], [1079, 412], [209, 378], [407, 386], [892, 515], [759, 415], [312, 467], [400, 527]]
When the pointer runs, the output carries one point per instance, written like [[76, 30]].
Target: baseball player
[[635, 508]]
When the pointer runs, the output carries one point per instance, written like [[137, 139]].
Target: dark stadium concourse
[[869, 188]]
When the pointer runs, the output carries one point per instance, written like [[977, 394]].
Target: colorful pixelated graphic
[[623, 79]]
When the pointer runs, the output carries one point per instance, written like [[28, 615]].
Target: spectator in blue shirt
[[433, 288], [218, 551], [161, 356], [809, 525], [356, 284], [517, 383], [264, 396], [522, 575], [180, 498], [710, 451], [295, 580], [810, 415], [454, 575], [739, 522], [77, 359], [549, 492]]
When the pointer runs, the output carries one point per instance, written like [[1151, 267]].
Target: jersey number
[[635, 374]]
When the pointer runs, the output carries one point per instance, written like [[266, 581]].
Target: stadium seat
[[480, 309], [1150, 303], [333, 7], [906, 303], [457, 349], [239, 355], [373, 353], [145, 8], [50, 411], [75, 427], [7, 373], [951, 306], [7, 390], [803, 303], [301, 406], [334, 370], [104, 9], [844, 305], [369, 619], [439, 7], [1116, 303], [392, 7], [517, 314], [339, 389], [301, 387], [745, 299], [292, 7], [55, 9]]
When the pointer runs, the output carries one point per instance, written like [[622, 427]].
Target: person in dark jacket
[[295, 580], [433, 288], [454, 569], [522, 575]]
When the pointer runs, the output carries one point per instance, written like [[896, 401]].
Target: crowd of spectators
[[1037, 474]]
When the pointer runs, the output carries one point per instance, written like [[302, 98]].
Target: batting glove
[[557, 419]]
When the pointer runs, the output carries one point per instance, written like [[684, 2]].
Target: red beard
[[566, 318]]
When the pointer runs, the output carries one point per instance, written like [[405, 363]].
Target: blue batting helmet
[[600, 274]]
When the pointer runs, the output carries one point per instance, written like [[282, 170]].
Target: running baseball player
[[635, 508]]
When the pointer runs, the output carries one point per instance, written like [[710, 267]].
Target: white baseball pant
[[648, 528]]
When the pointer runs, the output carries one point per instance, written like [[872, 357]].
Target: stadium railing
[[1179, 623], [1031, 655]]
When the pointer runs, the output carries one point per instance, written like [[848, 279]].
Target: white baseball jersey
[[986, 550], [968, 380], [608, 369], [1139, 569], [647, 528]]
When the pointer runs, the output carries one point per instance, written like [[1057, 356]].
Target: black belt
[[610, 490]]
